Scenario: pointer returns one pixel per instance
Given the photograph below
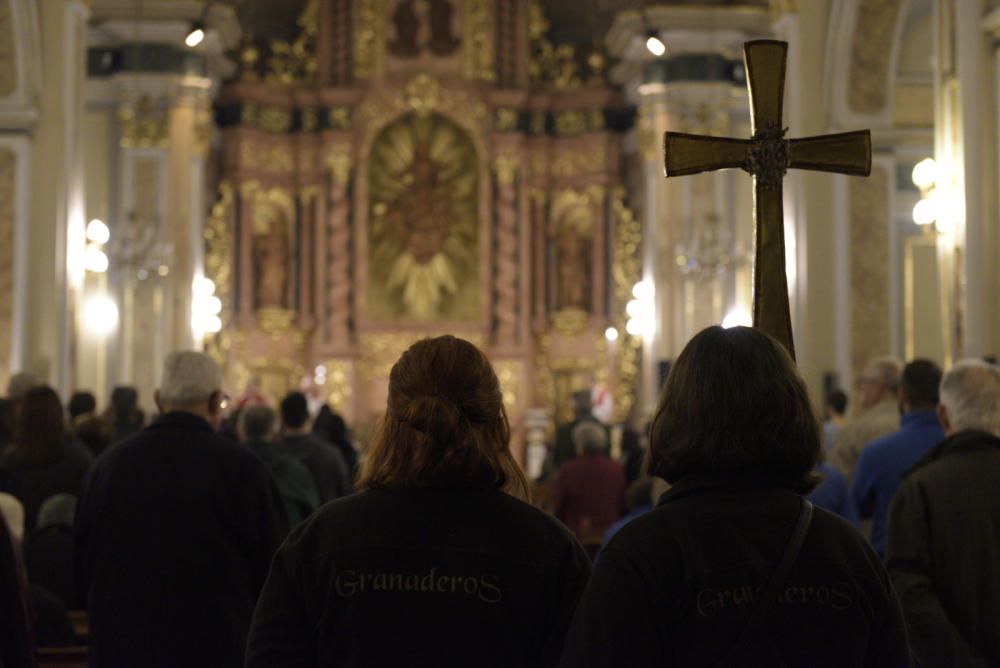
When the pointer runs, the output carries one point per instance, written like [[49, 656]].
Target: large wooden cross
[[767, 156]]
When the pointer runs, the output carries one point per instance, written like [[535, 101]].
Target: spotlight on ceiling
[[654, 44], [196, 35]]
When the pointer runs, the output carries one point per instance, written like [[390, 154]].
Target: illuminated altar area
[[405, 169]]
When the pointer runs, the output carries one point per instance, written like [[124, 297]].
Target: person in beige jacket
[[878, 413]]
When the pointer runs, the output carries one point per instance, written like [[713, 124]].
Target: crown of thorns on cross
[[767, 156]]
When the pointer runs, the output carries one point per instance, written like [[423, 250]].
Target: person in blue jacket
[[883, 462]]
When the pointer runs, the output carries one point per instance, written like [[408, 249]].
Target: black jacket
[[174, 535], [944, 547], [324, 462], [420, 578], [676, 586], [33, 483]]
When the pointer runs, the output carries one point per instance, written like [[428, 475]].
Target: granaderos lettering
[[484, 587]]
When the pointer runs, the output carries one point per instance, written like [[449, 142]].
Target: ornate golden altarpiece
[[405, 169]]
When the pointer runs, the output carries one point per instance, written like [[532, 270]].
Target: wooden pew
[[62, 657]]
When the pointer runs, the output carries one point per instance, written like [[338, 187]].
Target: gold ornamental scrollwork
[[339, 118], [479, 45], [626, 270], [275, 322], [219, 263], [509, 374], [275, 119], [338, 388], [550, 65], [380, 350], [423, 94], [143, 126], [339, 163], [369, 39], [506, 166], [294, 63], [506, 120]]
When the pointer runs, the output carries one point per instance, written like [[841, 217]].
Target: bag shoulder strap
[[769, 597]]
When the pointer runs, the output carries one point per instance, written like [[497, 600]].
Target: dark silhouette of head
[[919, 385], [39, 426], [734, 405], [81, 403], [294, 410]]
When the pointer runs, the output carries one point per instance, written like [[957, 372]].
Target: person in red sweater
[[590, 488]]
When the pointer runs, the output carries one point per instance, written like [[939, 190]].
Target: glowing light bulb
[[655, 45], [611, 334], [95, 260], [195, 37], [925, 173], [99, 315], [98, 232]]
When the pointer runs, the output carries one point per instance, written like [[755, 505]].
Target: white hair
[[589, 436], [887, 370], [189, 378], [21, 383], [970, 392]]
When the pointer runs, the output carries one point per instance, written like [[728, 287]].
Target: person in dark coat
[[17, 626], [589, 493], [438, 561], [733, 566], [43, 461], [257, 427], [124, 417], [944, 528], [175, 531], [323, 460], [48, 551], [332, 428]]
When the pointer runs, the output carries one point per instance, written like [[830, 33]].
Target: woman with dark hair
[[438, 561], [733, 566], [43, 460]]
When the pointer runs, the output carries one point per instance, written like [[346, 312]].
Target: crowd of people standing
[[253, 534]]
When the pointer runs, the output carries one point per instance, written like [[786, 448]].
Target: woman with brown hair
[[438, 561], [733, 566], [42, 460]]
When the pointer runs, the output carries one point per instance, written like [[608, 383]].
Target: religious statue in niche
[[271, 255], [423, 262], [423, 25], [572, 245]]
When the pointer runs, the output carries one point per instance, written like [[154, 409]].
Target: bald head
[[970, 397]]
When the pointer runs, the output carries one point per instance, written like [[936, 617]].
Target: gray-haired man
[[944, 528], [175, 532]]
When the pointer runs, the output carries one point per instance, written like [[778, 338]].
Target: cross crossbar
[[767, 156]]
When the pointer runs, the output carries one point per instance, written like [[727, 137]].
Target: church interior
[[302, 189], [315, 184]]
